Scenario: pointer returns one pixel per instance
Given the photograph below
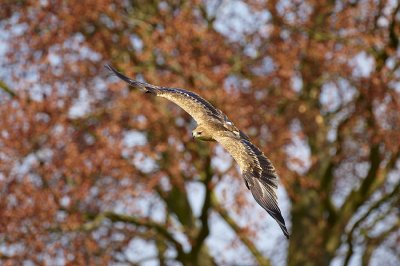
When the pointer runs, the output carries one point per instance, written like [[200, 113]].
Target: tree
[[89, 169]]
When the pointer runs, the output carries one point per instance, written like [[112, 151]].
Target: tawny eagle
[[258, 172]]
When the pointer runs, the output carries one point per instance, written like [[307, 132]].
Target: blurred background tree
[[91, 173]]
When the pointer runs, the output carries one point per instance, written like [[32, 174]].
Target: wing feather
[[201, 110], [259, 175]]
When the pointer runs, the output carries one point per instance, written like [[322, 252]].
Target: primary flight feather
[[258, 172]]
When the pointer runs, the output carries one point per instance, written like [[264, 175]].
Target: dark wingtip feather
[[265, 195], [134, 83], [279, 219], [119, 74], [287, 236], [285, 231], [281, 223], [108, 67]]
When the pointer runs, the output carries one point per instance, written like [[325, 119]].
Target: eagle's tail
[[148, 88]]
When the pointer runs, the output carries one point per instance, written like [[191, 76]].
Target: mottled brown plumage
[[213, 125]]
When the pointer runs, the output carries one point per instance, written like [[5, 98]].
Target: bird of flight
[[258, 172]]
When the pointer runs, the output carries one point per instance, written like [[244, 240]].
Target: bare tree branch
[[204, 230], [7, 89], [350, 236], [160, 228], [374, 242], [261, 260]]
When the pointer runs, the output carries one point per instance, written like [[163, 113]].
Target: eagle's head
[[201, 133]]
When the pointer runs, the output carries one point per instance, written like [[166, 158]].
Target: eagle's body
[[213, 125]]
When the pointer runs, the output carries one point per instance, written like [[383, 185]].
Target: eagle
[[257, 170]]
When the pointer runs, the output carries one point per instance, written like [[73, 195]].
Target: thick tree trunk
[[307, 247]]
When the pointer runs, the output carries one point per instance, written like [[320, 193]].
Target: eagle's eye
[[199, 133]]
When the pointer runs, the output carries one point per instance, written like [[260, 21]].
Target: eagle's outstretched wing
[[258, 173], [201, 110]]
